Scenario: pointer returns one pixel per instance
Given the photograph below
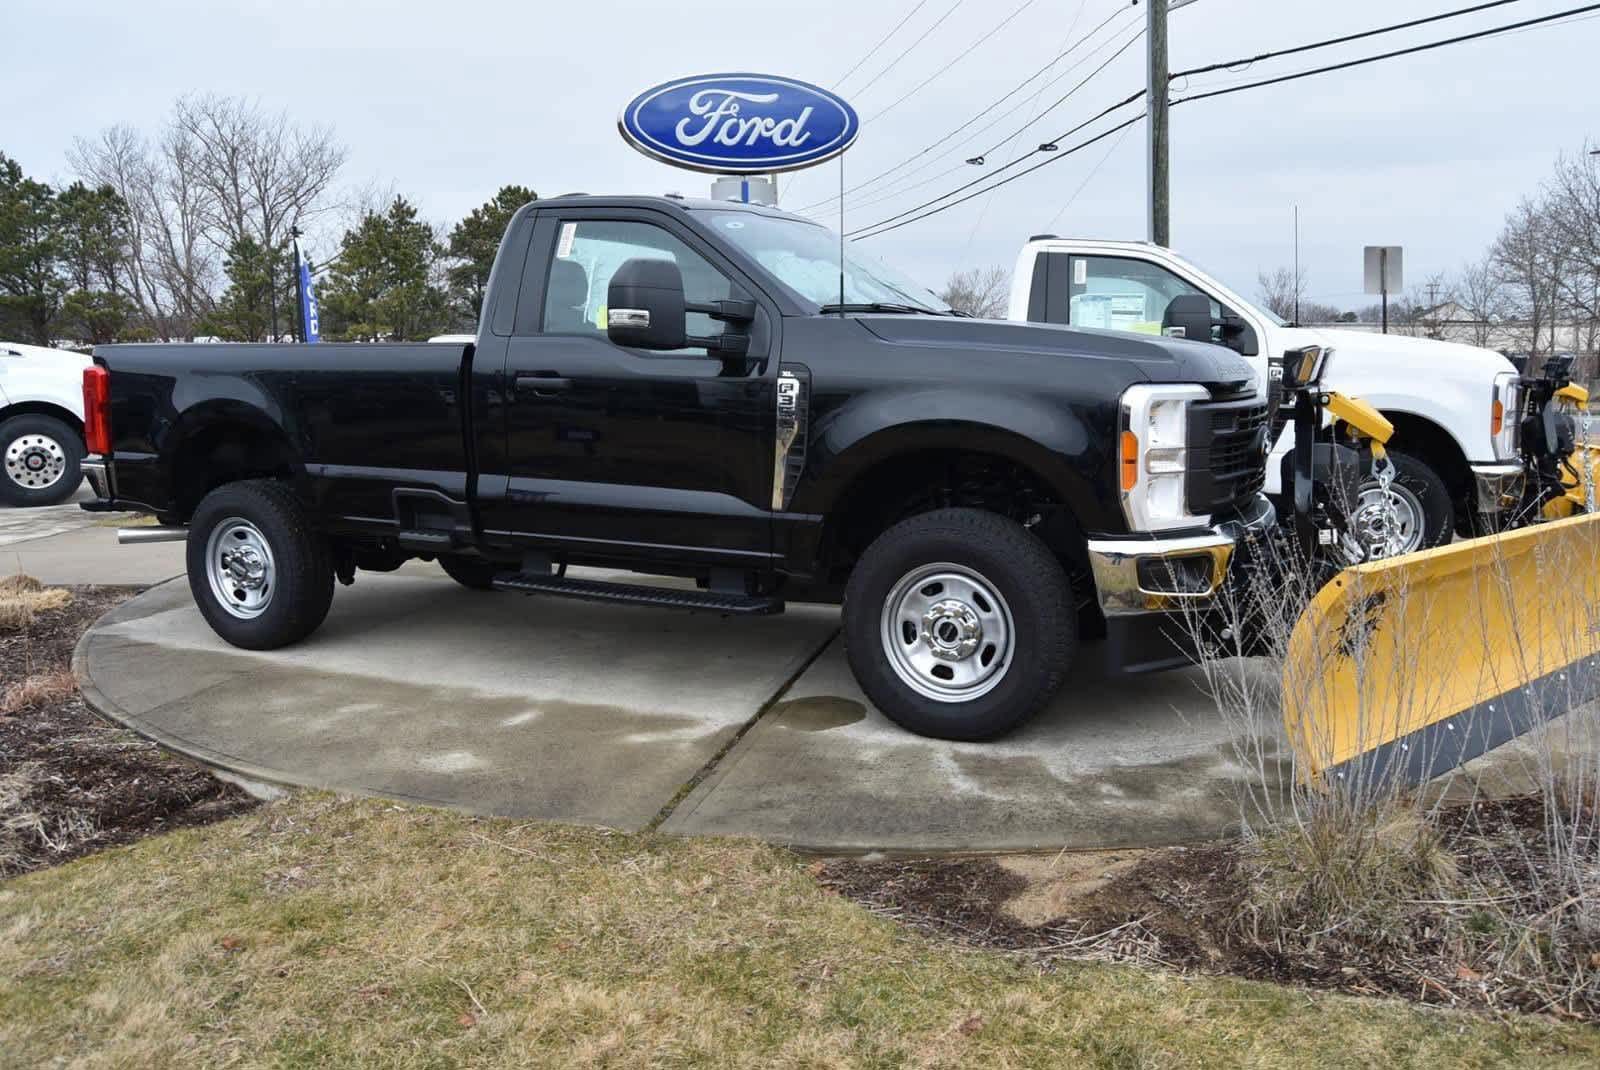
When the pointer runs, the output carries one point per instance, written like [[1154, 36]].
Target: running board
[[639, 595]]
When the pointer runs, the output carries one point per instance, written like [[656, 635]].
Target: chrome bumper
[[1136, 577], [1498, 486]]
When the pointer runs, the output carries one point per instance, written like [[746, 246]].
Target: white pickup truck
[[41, 423], [1455, 450]]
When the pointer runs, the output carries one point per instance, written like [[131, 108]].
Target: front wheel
[[473, 573], [40, 460], [261, 576], [1424, 514], [959, 624]]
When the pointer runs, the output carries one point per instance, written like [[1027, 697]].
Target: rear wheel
[[40, 459], [261, 576], [472, 572], [959, 624]]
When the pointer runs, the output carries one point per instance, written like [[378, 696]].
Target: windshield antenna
[[841, 235]]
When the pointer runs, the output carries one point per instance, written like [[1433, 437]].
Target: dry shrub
[[40, 689], [24, 831], [1344, 877], [23, 598]]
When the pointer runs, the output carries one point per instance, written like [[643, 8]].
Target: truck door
[[612, 451], [1115, 293]]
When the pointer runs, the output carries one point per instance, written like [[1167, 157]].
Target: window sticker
[[569, 231], [1080, 271]]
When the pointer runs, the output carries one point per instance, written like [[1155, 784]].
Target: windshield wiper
[[879, 306]]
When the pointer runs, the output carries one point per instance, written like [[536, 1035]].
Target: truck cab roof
[[609, 200]]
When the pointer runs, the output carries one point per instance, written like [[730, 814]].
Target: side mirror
[[645, 306], [1188, 316]]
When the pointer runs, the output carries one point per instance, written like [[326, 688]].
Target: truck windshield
[[805, 257]]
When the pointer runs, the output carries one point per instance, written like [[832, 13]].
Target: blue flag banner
[[312, 322]]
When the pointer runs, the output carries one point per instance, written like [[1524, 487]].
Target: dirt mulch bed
[[70, 783], [1178, 908]]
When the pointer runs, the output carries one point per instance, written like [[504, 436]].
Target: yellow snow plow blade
[[1412, 665], [1581, 479]]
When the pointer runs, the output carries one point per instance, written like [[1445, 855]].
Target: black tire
[[1017, 566], [1422, 484], [48, 442], [471, 572], [300, 590]]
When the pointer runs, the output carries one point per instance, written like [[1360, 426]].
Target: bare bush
[[39, 689]]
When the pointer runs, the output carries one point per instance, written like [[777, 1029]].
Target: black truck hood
[[1161, 360]]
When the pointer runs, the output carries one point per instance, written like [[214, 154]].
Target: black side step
[[639, 595]]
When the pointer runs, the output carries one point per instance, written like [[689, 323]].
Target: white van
[[1455, 431]]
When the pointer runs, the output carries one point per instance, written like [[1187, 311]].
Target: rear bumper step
[[639, 595]]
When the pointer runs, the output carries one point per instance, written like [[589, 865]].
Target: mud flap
[[1408, 667]]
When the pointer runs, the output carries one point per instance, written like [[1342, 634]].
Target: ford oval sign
[[737, 124]]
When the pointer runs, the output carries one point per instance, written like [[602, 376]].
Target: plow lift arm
[[1402, 667]]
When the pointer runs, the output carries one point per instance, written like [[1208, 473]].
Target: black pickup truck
[[674, 387]]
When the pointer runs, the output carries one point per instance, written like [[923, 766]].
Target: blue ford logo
[[739, 123]]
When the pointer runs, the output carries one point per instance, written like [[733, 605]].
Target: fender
[[1049, 439]]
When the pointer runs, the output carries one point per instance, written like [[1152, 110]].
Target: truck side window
[[588, 252], [1120, 294]]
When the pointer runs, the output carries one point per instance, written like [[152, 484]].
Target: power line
[[1247, 61], [874, 49], [883, 226], [965, 52], [1052, 142], [1062, 154], [980, 114], [910, 48], [1346, 65]]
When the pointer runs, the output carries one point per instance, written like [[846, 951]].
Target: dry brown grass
[[320, 932], [23, 598], [40, 689]]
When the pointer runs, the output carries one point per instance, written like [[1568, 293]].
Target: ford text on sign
[[739, 123]]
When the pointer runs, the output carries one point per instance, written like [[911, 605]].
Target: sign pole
[[298, 333], [841, 235], [1383, 273]]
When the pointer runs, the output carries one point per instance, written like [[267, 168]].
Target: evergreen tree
[[384, 284], [31, 285], [473, 244], [244, 312]]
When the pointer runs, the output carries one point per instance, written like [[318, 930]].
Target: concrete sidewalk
[[62, 544]]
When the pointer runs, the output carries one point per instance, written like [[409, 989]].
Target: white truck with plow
[[1456, 457]]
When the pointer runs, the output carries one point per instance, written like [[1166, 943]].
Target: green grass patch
[[334, 932]]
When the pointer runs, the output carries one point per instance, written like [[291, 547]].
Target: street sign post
[[1382, 274]]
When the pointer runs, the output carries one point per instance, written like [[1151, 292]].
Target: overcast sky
[[449, 101]]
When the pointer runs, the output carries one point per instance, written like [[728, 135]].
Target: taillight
[[1130, 460], [97, 409]]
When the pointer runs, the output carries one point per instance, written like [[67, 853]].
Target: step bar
[[748, 605]]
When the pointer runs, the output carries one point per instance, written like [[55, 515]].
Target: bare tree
[[980, 292], [1529, 262], [1480, 293], [171, 268], [1281, 290], [263, 176]]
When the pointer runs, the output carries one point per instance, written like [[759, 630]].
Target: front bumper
[[1498, 486], [1164, 575]]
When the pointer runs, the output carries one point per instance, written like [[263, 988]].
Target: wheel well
[[43, 408], [1427, 441], [911, 483], [225, 454]]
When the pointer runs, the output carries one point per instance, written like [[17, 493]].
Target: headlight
[[1505, 416], [1153, 456]]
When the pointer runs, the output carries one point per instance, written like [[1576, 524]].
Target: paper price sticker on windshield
[[569, 231]]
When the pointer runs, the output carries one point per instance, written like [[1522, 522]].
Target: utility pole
[[1297, 265], [1160, 229]]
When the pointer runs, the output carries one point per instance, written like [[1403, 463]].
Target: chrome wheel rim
[[947, 632], [35, 462], [1369, 522], [240, 568]]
